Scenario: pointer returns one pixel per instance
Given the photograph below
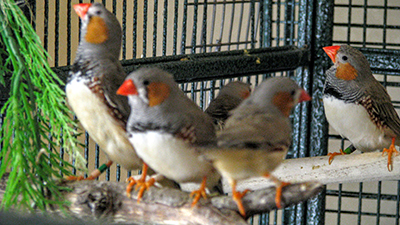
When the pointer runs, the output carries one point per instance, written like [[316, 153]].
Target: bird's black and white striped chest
[[82, 71]]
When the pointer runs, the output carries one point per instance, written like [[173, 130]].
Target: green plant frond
[[36, 117]]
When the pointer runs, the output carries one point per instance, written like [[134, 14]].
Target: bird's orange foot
[[132, 183], [141, 183], [278, 196], [201, 192], [237, 197], [333, 154], [390, 151]]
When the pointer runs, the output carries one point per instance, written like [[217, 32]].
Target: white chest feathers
[[171, 157], [353, 122], [95, 117]]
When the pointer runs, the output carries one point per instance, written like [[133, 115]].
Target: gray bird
[[357, 106], [93, 82], [257, 135], [229, 97], [166, 128]]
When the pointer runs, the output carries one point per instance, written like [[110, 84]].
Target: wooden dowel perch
[[344, 169]]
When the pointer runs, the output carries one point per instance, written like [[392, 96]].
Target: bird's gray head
[[100, 30], [279, 93], [350, 74], [150, 86], [350, 63], [236, 89]]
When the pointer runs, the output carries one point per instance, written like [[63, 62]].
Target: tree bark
[[107, 202]]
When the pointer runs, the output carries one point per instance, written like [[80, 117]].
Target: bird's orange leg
[[333, 154], [140, 183], [237, 197], [95, 174], [390, 151], [201, 192], [279, 186], [348, 150]]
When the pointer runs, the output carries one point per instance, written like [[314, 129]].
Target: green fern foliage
[[37, 121]]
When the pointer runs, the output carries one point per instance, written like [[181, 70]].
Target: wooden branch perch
[[107, 202], [101, 199]]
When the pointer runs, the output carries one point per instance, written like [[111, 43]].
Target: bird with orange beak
[[92, 85], [357, 106], [257, 135], [167, 129]]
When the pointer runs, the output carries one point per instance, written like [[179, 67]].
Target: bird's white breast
[[353, 122], [95, 117], [171, 157]]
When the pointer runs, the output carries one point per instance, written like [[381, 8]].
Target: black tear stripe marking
[[330, 91]]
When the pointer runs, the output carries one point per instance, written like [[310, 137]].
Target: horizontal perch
[[101, 199], [344, 169], [104, 201]]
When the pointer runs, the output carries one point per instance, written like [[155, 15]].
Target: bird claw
[[333, 154], [197, 195], [141, 185], [132, 183], [390, 151], [201, 192], [278, 196], [237, 197]]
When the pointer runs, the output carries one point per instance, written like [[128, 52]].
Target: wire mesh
[[371, 26]]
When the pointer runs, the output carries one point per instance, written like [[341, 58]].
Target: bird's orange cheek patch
[[283, 101], [346, 72], [157, 93], [97, 31], [245, 94]]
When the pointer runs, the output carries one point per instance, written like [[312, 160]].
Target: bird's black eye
[[98, 12], [292, 93], [146, 82], [344, 58]]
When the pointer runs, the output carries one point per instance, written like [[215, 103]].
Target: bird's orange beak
[[127, 88], [304, 96], [81, 9], [331, 51]]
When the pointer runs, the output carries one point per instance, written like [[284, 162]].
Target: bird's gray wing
[[255, 132], [112, 79], [380, 108]]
